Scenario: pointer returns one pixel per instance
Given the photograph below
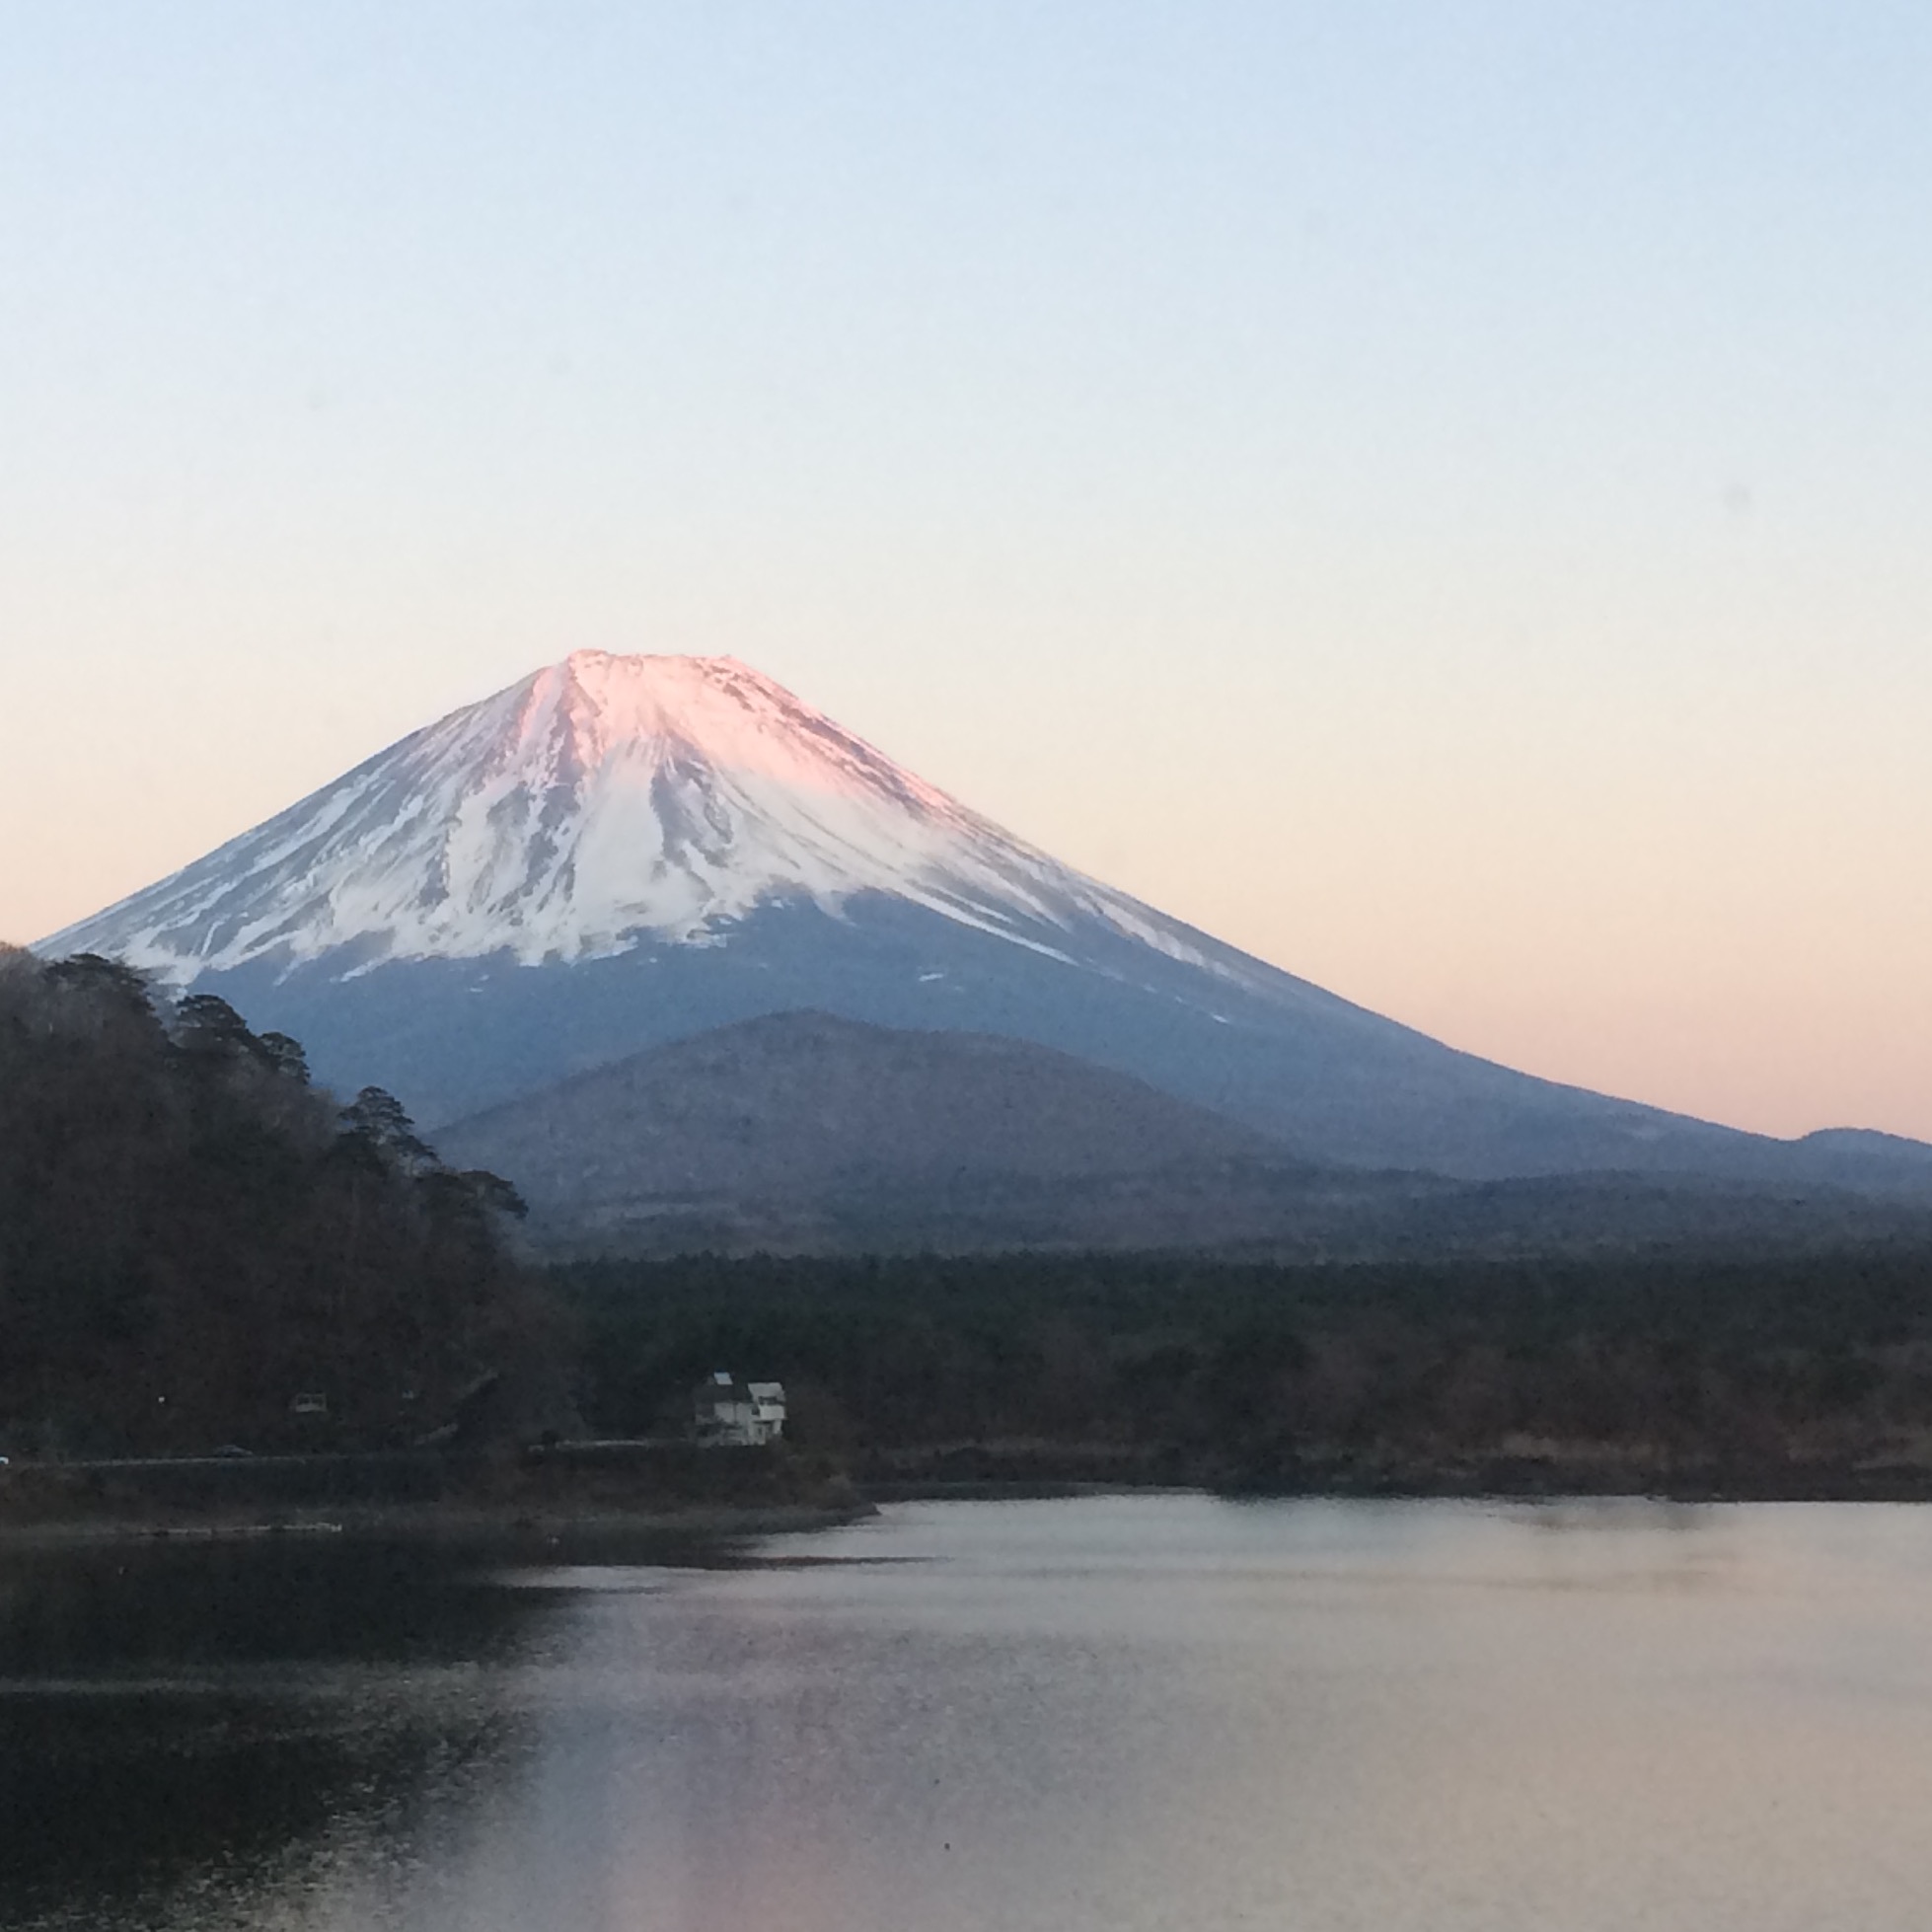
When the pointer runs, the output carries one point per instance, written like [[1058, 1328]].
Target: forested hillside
[[1689, 1372], [192, 1236]]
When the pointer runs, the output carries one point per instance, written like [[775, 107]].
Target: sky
[[1434, 494]]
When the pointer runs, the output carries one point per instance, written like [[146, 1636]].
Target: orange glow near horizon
[[1714, 941]]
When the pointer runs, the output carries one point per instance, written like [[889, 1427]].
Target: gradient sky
[[1434, 494]]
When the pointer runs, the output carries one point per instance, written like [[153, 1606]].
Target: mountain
[[797, 1102], [802, 1133], [805, 1122], [620, 852], [597, 803]]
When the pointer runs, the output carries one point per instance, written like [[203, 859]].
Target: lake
[[1140, 1712]]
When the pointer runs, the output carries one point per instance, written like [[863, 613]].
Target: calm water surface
[[1124, 1713]]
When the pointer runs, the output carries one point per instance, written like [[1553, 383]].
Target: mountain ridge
[[808, 1109], [806, 1133]]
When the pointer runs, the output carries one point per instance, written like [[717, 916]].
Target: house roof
[[725, 1387]]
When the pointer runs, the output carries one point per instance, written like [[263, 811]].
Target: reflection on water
[[1133, 1712], [192, 1715]]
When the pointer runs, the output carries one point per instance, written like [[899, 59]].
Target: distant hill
[[801, 1114], [803, 1133]]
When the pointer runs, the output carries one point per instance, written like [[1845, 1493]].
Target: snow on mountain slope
[[599, 801], [620, 852]]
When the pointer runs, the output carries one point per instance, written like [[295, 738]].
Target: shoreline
[[532, 1513], [993, 1471], [523, 1504], [1916, 1489], [490, 1530], [706, 1532]]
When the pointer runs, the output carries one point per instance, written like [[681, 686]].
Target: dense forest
[[1811, 1375], [199, 1247]]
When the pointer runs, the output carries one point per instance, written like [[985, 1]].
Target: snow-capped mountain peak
[[620, 852], [599, 802]]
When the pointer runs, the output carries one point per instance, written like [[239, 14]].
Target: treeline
[[1772, 1377], [192, 1236]]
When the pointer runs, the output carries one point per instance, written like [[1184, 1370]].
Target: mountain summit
[[599, 803], [620, 852]]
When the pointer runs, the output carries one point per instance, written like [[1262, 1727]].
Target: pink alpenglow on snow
[[596, 803]]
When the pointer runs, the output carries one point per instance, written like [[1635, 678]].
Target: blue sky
[[1434, 494]]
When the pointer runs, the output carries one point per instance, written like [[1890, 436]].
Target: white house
[[729, 1411]]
